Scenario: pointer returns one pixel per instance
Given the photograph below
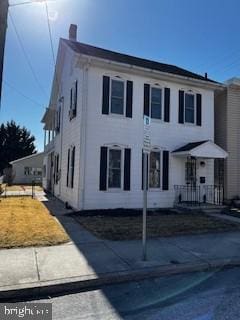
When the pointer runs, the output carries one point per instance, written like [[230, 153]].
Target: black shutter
[[129, 99], [76, 96], [199, 109], [68, 163], [105, 95], [146, 99], [127, 169], [165, 171], [103, 169], [167, 104], [181, 107], [72, 166], [142, 169]]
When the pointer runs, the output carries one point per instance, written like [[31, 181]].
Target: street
[[198, 296]]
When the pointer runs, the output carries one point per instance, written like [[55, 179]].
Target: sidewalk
[[87, 261]]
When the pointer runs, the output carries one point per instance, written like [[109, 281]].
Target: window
[[27, 171], [117, 96], [189, 108], [37, 171], [73, 100], [114, 168], [56, 169], [156, 103], [72, 167], [154, 169]]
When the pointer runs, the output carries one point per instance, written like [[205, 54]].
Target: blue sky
[[199, 35]]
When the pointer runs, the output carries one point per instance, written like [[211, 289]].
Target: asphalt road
[[197, 296]]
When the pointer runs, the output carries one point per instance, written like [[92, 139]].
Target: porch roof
[[201, 149], [48, 119]]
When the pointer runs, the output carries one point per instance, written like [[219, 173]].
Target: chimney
[[73, 32], [206, 75]]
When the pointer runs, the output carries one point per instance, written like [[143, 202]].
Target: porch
[[202, 166]]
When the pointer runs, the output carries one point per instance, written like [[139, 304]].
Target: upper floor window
[[73, 100], [189, 108], [114, 168], [117, 96], [156, 103]]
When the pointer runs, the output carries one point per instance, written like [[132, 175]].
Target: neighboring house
[[227, 133], [28, 169], [94, 130]]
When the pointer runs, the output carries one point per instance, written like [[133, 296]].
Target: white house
[[28, 169], [94, 130]]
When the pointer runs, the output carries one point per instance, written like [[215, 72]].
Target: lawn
[[27, 222], [129, 227], [19, 187]]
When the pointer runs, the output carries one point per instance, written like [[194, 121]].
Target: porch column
[[44, 138]]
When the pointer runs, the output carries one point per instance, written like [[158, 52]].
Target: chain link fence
[[20, 190]]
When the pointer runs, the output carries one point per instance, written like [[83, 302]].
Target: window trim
[[162, 102], [121, 168], [124, 97], [195, 108], [160, 176]]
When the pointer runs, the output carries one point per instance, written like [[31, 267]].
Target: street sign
[[146, 134]]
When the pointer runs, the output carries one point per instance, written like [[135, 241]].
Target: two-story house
[[94, 130]]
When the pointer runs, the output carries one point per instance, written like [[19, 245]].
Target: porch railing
[[195, 195], [187, 194], [213, 194]]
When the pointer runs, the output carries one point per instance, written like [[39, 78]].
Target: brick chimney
[[73, 32]]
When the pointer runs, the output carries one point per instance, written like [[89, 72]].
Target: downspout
[[83, 137], [61, 141]]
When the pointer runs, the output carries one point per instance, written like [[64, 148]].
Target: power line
[[50, 33], [21, 93], [26, 56]]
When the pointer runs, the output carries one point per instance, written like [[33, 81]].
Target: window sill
[[117, 116], [186, 124]]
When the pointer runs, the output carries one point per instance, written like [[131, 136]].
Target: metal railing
[[213, 194], [188, 194], [195, 195]]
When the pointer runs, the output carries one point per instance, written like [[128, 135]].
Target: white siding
[[107, 129], [127, 132]]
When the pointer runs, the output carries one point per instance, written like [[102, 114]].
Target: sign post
[[146, 151]]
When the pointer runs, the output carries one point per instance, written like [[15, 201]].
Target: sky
[[199, 35]]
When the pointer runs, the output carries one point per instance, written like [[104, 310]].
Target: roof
[[190, 146], [27, 157], [201, 149], [128, 59]]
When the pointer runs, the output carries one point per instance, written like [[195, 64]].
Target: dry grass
[[159, 225], [17, 187], [27, 222]]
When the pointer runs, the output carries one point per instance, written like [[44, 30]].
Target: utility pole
[[3, 30]]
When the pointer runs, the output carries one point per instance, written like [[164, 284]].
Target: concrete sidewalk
[[87, 261]]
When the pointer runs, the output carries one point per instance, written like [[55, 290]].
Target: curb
[[43, 289]]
